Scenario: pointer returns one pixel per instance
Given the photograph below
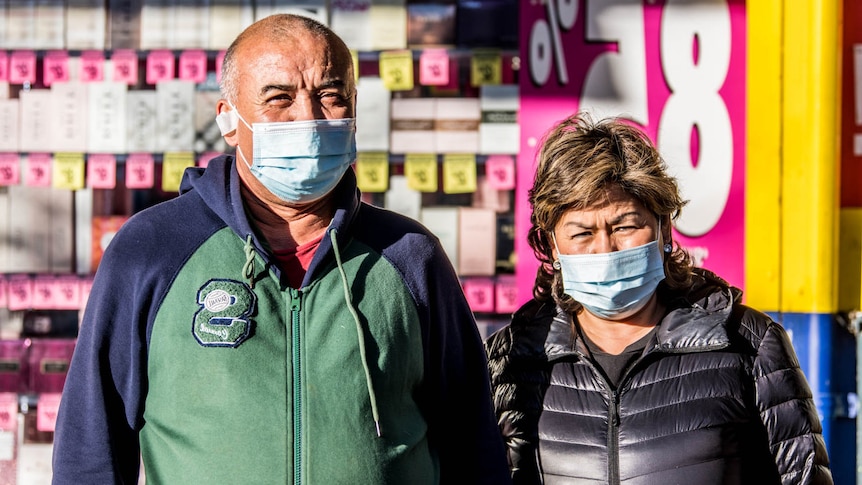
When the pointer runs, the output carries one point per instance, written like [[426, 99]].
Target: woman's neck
[[613, 336]]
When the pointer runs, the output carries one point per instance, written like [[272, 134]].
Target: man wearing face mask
[[266, 326], [631, 366]]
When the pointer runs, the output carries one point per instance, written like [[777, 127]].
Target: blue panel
[[827, 355]]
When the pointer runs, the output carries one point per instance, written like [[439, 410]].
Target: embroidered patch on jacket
[[223, 318]]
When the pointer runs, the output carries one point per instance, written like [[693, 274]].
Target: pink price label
[[39, 170], [92, 67], [193, 66], [55, 67], [4, 66], [434, 67], [8, 411], [500, 172], [43, 293], [125, 68], [160, 66], [140, 171], [67, 293], [102, 171], [10, 169], [204, 158], [85, 285], [480, 294], [506, 294], [46, 411], [22, 67], [20, 292], [218, 63]]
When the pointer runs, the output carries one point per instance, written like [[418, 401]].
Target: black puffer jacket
[[717, 397]]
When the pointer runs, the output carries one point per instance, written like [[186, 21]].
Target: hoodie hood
[[219, 186]]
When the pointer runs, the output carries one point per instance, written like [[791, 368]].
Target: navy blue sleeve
[[456, 399], [102, 405]]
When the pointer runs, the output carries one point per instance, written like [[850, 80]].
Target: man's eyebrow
[[328, 84], [277, 87]]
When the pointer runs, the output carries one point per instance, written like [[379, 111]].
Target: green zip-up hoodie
[[195, 352]]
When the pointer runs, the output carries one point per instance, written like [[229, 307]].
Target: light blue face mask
[[613, 285], [301, 161]]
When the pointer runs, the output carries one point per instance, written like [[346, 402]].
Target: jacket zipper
[[295, 307], [614, 439]]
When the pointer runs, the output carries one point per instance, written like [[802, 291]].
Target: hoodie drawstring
[[248, 267], [359, 330]]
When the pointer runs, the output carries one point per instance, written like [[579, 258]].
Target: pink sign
[[55, 67], [102, 171], [92, 67], [675, 69], [434, 67], [125, 64], [140, 171], [39, 167], [10, 169]]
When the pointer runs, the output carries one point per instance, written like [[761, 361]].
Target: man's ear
[[227, 120]]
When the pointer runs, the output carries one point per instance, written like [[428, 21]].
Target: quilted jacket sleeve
[[787, 408], [519, 377]]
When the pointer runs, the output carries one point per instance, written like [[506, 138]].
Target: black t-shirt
[[615, 365]]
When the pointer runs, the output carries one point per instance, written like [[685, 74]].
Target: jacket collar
[[697, 322]]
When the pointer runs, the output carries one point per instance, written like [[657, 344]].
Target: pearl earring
[[556, 264], [668, 248]]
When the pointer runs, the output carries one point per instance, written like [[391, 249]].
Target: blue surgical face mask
[[613, 285], [301, 161]]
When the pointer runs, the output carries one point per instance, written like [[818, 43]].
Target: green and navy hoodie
[[196, 357]]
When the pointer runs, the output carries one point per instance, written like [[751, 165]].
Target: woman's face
[[619, 221]]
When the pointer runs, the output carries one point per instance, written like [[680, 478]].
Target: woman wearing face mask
[[629, 365]]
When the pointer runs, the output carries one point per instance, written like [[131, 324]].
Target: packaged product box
[[124, 24], [70, 113], [48, 363], [29, 238], [9, 125], [175, 105], [412, 125], [488, 23], [36, 129], [141, 121], [50, 24], [442, 221], [430, 24], [9, 423], [108, 115], [103, 230], [86, 24], [13, 368], [477, 234], [372, 114], [227, 19], [499, 131], [456, 125]]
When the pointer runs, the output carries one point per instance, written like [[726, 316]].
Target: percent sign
[[545, 39]]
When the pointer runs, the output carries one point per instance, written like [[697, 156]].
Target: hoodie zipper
[[295, 307]]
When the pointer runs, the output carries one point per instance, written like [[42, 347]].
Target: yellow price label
[[354, 54], [396, 70], [173, 166], [68, 171], [459, 173], [372, 171], [486, 67], [421, 171]]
